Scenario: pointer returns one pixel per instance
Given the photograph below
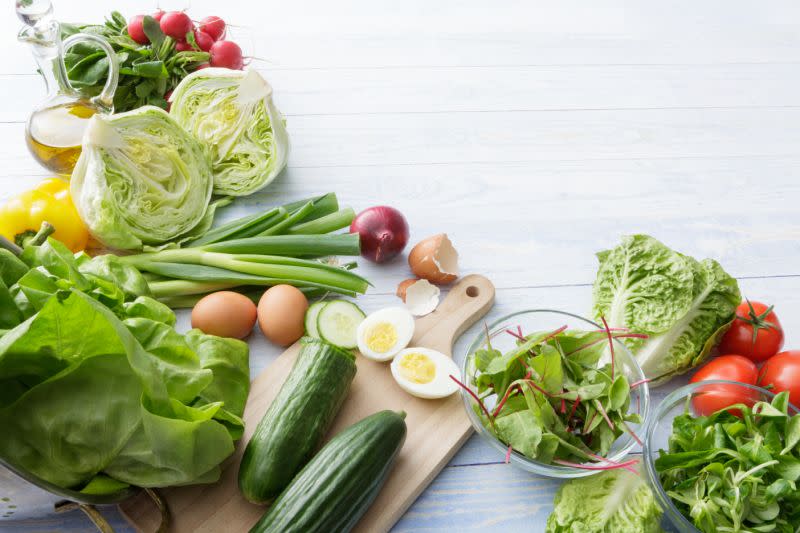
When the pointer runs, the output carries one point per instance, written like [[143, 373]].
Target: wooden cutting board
[[436, 430]]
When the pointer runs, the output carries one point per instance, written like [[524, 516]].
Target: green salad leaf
[[737, 469], [98, 391], [554, 398], [142, 180], [683, 305], [614, 501], [233, 114]]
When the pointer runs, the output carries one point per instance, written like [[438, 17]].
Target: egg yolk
[[381, 337], [417, 368]]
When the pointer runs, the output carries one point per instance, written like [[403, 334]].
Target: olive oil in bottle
[[54, 131], [54, 134]]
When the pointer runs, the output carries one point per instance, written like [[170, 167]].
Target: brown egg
[[281, 312], [434, 259], [225, 314]]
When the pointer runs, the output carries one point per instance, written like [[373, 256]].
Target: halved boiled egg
[[384, 333], [425, 373]]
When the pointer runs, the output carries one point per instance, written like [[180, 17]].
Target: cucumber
[[338, 321], [337, 487], [296, 421], [311, 319]]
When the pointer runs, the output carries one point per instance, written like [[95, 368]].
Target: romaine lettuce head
[[682, 304], [232, 113], [614, 501], [141, 180]]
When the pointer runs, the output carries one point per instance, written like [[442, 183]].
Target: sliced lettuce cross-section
[[141, 180], [232, 113]]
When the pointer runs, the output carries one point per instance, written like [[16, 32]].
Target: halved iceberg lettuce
[[232, 113], [141, 180]]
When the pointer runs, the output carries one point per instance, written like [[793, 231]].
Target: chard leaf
[[547, 366], [620, 393], [521, 432]]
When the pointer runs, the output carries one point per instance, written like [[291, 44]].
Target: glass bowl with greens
[[725, 456], [559, 395]]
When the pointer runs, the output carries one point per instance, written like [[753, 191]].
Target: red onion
[[383, 231]]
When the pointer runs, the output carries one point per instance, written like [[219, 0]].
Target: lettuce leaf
[[682, 304], [614, 501], [98, 391]]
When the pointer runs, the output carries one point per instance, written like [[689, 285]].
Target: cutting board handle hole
[[472, 291]]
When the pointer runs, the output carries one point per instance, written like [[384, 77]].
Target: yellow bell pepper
[[51, 202]]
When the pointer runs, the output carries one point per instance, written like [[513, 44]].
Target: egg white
[[403, 324], [440, 387]]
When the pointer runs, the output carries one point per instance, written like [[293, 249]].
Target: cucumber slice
[[337, 323], [311, 319]]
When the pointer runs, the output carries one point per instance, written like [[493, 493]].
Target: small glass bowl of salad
[[556, 394], [721, 455]]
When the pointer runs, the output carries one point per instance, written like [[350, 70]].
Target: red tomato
[[717, 397], [756, 332], [782, 372]]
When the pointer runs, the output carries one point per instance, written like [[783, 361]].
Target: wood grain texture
[[534, 133], [436, 430]]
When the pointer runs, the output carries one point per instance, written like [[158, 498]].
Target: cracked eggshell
[[403, 286], [420, 296], [434, 259]]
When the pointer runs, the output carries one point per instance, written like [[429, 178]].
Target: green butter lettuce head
[[97, 389], [232, 113], [682, 304], [141, 180], [614, 501]]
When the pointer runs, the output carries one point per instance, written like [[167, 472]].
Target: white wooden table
[[535, 134]]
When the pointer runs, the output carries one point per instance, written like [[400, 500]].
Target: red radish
[[158, 14], [383, 231], [136, 30], [214, 27], [201, 66], [166, 99], [176, 24], [226, 54], [204, 40], [183, 46]]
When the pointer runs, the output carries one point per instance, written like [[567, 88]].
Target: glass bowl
[[548, 320], [659, 429]]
